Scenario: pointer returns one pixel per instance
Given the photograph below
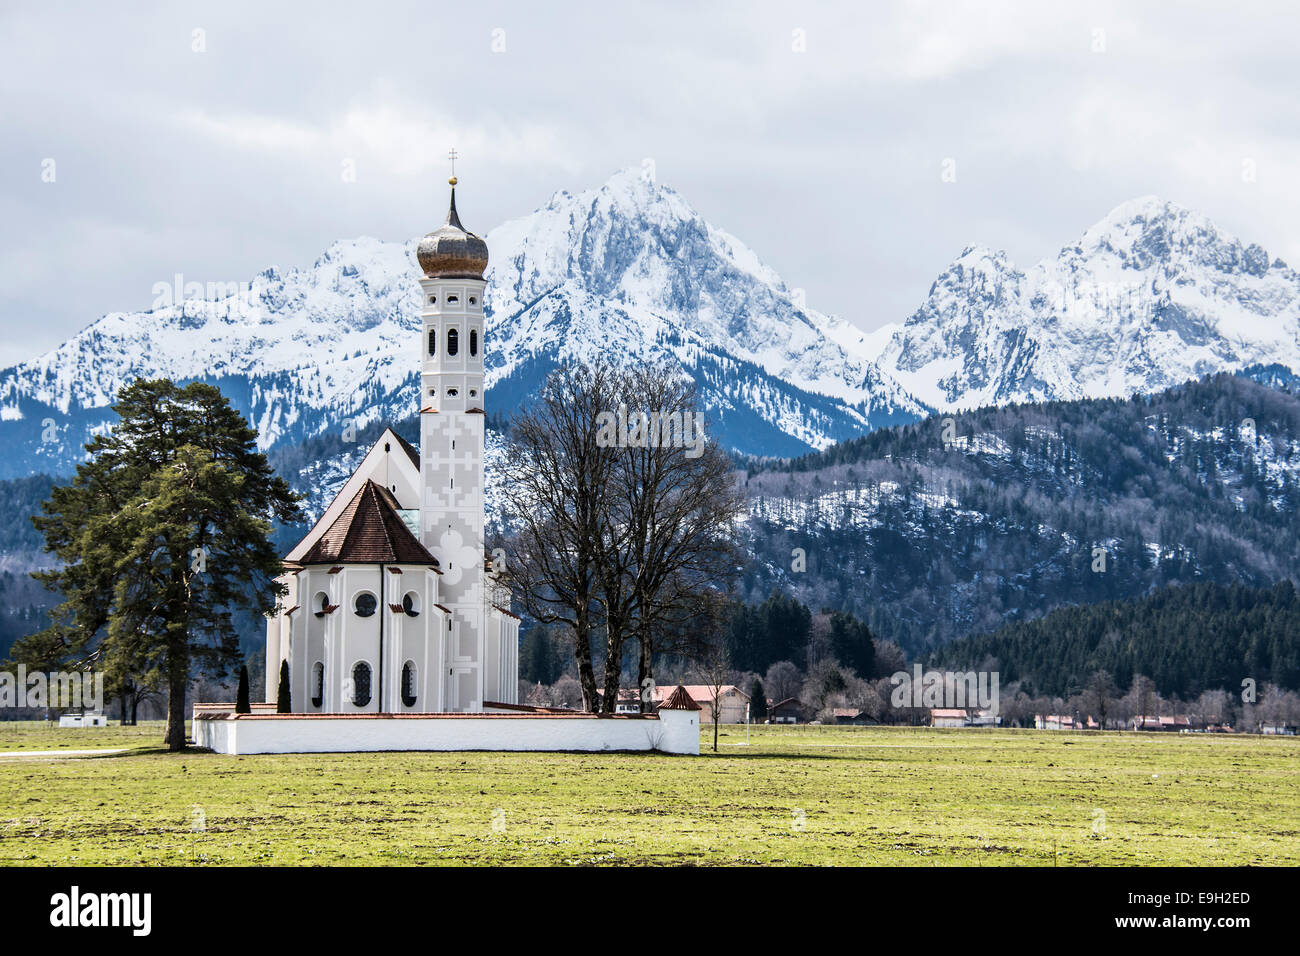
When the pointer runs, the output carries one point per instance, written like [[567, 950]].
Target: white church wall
[[413, 639], [353, 640], [675, 732]]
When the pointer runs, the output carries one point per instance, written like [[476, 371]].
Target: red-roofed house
[[733, 708]]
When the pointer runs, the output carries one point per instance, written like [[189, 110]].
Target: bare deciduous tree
[[629, 531], [554, 501]]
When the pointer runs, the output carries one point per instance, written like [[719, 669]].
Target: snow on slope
[[628, 270], [1150, 296]]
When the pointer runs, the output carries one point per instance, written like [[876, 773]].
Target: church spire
[[452, 218], [452, 251]]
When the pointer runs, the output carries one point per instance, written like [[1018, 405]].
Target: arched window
[[411, 604], [473, 341], [433, 341], [365, 604], [361, 683], [319, 603], [408, 684], [453, 341], [317, 684]]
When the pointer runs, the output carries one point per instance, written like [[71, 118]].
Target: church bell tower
[[453, 261]]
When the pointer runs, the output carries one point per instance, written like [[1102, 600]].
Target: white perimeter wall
[[676, 731]]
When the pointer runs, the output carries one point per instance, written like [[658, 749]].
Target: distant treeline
[[1187, 639]]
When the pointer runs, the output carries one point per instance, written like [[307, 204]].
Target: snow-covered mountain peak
[[1151, 295], [626, 270], [653, 268], [1150, 232]]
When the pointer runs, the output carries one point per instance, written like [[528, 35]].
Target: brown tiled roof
[[679, 700], [700, 693], [410, 449], [369, 531]]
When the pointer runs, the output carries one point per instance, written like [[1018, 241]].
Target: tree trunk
[[645, 670], [177, 678], [613, 671], [582, 654]]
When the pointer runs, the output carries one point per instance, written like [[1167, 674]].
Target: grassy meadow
[[803, 795]]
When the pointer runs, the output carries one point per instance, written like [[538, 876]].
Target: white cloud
[[227, 161]]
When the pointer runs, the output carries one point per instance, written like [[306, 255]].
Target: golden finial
[[452, 156]]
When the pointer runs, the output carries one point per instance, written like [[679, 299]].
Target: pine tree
[[757, 701], [283, 702], [241, 695], [162, 533]]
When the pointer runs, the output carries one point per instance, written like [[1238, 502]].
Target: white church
[[396, 629], [393, 606]]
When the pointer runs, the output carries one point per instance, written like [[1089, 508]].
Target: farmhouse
[[733, 706], [947, 717], [963, 717], [787, 711]]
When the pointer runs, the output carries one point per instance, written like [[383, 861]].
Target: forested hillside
[[1187, 639], [960, 524]]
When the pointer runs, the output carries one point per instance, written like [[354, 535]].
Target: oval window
[[453, 341], [361, 683], [473, 341], [411, 604], [320, 603], [433, 341], [408, 684], [365, 604]]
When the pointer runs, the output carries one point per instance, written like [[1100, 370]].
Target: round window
[[411, 604], [365, 604]]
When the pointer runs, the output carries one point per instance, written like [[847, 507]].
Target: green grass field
[[803, 795]]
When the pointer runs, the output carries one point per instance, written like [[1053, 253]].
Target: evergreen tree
[[283, 702], [241, 695], [853, 645], [757, 701], [538, 662], [162, 533]]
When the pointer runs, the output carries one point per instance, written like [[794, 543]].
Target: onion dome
[[450, 251]]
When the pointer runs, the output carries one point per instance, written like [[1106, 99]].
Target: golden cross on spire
[[452, 154]]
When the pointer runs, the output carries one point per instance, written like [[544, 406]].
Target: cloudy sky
[[213, 140]]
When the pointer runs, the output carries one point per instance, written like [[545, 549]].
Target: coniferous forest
[[962, 524], [1187, 639]]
